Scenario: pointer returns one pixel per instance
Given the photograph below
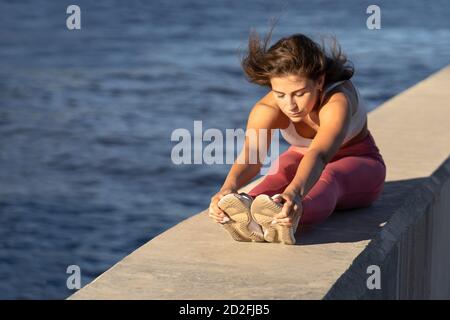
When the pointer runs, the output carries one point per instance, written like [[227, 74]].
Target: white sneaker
[[240, 226], [263, 210]]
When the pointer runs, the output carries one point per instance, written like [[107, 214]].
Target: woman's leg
[[280, 174], [350, 182]]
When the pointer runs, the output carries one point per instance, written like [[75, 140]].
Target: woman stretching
[[332, 163]]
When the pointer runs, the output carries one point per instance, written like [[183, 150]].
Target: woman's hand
[[292, 206], [215, 212]]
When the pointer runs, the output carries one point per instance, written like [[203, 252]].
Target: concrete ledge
[[404, 232], [412, 250]]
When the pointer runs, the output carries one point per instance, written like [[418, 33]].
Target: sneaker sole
[[263, 210], [240, 219]]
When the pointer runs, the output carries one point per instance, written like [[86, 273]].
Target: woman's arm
[[248, 164], [308, 172], [335, 119]]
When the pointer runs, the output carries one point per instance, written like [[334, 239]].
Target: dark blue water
[[86, 116]]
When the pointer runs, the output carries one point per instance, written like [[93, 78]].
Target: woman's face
[[296, 96]]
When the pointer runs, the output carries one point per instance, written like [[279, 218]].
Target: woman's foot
[[240, 224], [263, 210]]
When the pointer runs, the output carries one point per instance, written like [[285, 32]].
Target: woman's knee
[[359, 200], [359, 174]]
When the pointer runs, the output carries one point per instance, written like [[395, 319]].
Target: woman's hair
[[296, 54]]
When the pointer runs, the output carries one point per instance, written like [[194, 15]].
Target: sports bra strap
[[329, 88]]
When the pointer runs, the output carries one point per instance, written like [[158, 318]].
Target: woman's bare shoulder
[[266, 114], [345, 91], [268, 100]]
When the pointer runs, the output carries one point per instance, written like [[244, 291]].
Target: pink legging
[[354, 178]]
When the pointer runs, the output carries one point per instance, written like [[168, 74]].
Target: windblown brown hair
[[296, 54]]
